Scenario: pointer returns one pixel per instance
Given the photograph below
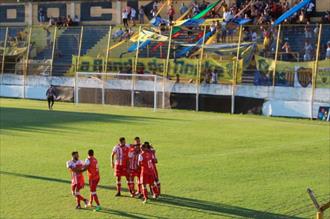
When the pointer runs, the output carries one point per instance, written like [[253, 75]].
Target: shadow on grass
[[122, 213], [180, 202], [38, 120]]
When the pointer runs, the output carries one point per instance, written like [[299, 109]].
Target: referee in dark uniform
[[51, 96]]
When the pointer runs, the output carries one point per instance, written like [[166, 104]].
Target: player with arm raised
[[91, 165], [120, 152], [147, 176], [134, 169], [76, 167]]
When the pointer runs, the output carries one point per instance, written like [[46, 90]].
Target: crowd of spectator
[[58, 21]]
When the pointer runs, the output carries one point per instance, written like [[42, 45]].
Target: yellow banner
[[149, 35], [285, 71], [184, 67]]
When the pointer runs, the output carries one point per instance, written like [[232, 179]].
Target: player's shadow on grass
[[180, 202], [43, 120], [122, 213]]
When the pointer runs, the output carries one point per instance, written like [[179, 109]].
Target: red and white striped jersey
[[133, 156], [121, 153], [76, 178]]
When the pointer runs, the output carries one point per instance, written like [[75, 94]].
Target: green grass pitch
[[211, 165]]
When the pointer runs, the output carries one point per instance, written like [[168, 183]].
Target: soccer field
[[211, 165]]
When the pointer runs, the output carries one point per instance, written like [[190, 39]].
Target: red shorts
[[134, 173], [147, 179], [93, 184], [121, 171], [76, 187]]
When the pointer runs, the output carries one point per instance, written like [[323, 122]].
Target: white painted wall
[[280, 101]]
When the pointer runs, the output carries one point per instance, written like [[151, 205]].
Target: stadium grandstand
[[224, 56]]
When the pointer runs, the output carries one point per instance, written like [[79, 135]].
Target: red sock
[[91, 199], [96, 199], [155, 190], [145, 193], [131, 187], [140, 188], [79, 198]]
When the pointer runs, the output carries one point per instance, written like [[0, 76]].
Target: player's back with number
[[146, 160]]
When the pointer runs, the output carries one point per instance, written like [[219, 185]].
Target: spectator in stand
[[140, 70], [203, 6], [183, 9], [227, 15], [133, 16], [230, 31], [171, 13], [155, 5], [213, 27], [266, 35], [154, 11], [117, 35], [76, 21], [308, 55], [310, 10], [141, 14], [124, 16], [68, 21], [214, 77], [48, 38], [125, 35], [42, 15], [223, 33], [177, 78], [254, 36], [208, 76], [308, 31], [195, 8], [286, 48], [51, 22], [326, 18], [285, 5], [302, 18], [247, 34], [129, 11], [328, 50]]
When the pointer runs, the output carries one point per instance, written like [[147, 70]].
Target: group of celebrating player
[[128, 160]]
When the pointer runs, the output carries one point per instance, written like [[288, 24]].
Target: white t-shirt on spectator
[[125, 15], [310, 7], [133, 13], [328, 53], [227, 16], [254, 37]]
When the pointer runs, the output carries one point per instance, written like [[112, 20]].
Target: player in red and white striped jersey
[[120, 164], [76, 168], [134, 169], [91, 165]]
